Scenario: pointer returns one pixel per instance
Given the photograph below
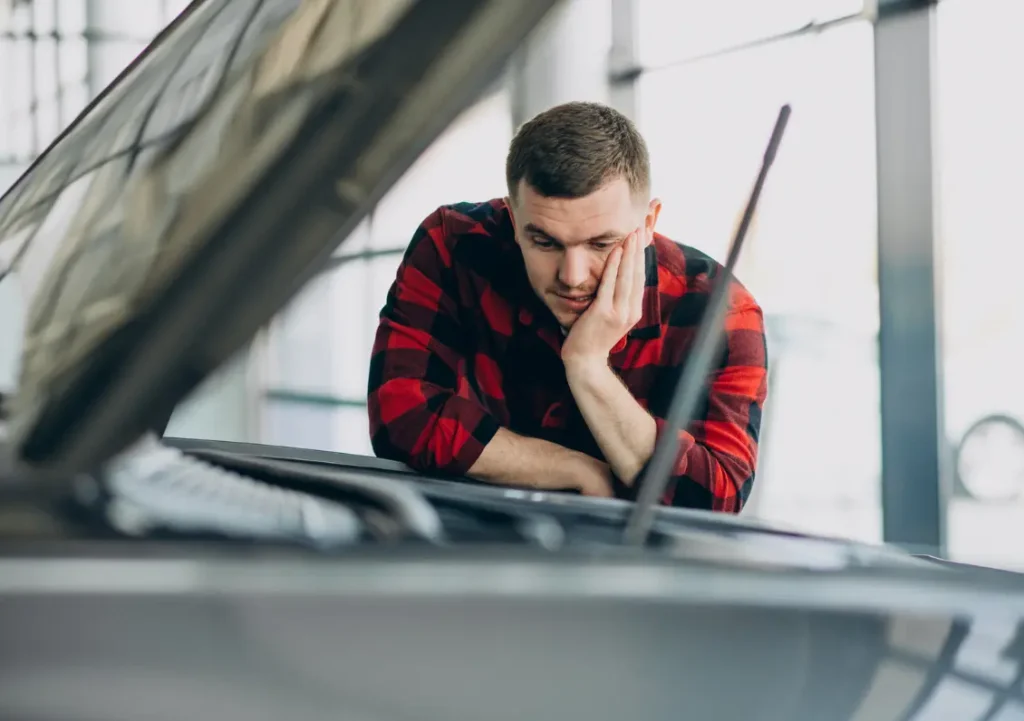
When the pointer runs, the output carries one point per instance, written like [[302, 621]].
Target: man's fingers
[[606, 291], [639, 279], [627, 271]]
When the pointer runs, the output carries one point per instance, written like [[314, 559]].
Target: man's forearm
[[625, 432], [513, 460]]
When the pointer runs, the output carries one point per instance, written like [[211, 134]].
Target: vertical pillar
[[914, 451]]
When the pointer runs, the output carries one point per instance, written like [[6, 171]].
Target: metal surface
[[915, 467], [613, 509], [495, 639]]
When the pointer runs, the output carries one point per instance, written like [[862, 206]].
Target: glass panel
[[382, 274], [675, 29], [47, 120], [358, 240], [353, 431], [325, 428], [111, 121], [981, 157], [17, 88], [44, 56], [74, 100], [351, 327], [321, 342], [71, 16], [467, 163], [299, 349], [810, 257], [43, 16], [74, 61]]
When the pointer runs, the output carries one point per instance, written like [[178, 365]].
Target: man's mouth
[[576, 302]]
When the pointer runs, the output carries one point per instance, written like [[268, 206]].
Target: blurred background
[[886, 251]]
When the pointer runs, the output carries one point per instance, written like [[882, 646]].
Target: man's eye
[[543, 243], [602, 245]]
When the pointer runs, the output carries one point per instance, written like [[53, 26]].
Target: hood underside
[[199, 193]]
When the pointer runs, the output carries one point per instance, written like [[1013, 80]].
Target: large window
[[981, 164], [53, 54], [318, 349], [43, 68], [811, 254], [673, 30]]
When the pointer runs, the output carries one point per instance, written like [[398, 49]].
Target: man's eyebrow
[[605, 236]]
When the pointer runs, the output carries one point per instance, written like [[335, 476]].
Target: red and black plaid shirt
[[465, 346]]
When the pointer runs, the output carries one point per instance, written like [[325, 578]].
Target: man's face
[[566, 242]]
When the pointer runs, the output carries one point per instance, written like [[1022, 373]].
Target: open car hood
[[205, 186]]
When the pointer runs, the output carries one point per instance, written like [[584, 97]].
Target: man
[[536, 340]]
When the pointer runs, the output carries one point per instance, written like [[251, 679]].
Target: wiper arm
[[705, 350]]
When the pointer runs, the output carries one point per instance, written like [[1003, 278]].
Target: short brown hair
[[573, 149]]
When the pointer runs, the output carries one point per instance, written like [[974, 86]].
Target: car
[[163, 578]]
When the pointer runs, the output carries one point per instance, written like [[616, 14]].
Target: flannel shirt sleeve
[[421, 407], [718, 451]]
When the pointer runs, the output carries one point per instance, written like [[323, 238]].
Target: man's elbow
[[431, 453], [733, 487]]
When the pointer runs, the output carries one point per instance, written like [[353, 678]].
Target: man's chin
[[566, 321]]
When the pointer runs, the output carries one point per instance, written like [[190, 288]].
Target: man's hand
[[617, 307], [594, 477], [513, 460], [625, 432]]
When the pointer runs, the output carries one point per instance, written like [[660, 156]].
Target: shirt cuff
[[476, 429]]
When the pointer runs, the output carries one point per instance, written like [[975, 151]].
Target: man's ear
[[651, 219], [511, 212]]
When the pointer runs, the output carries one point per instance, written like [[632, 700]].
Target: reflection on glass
[[981, 163], [811, 253], [676, 29]]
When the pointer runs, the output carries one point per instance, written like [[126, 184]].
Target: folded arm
[[423, 410], [718, 451]]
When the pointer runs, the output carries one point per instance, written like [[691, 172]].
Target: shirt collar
[[650, 322]]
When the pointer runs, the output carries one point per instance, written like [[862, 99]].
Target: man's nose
[[574, 270]]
